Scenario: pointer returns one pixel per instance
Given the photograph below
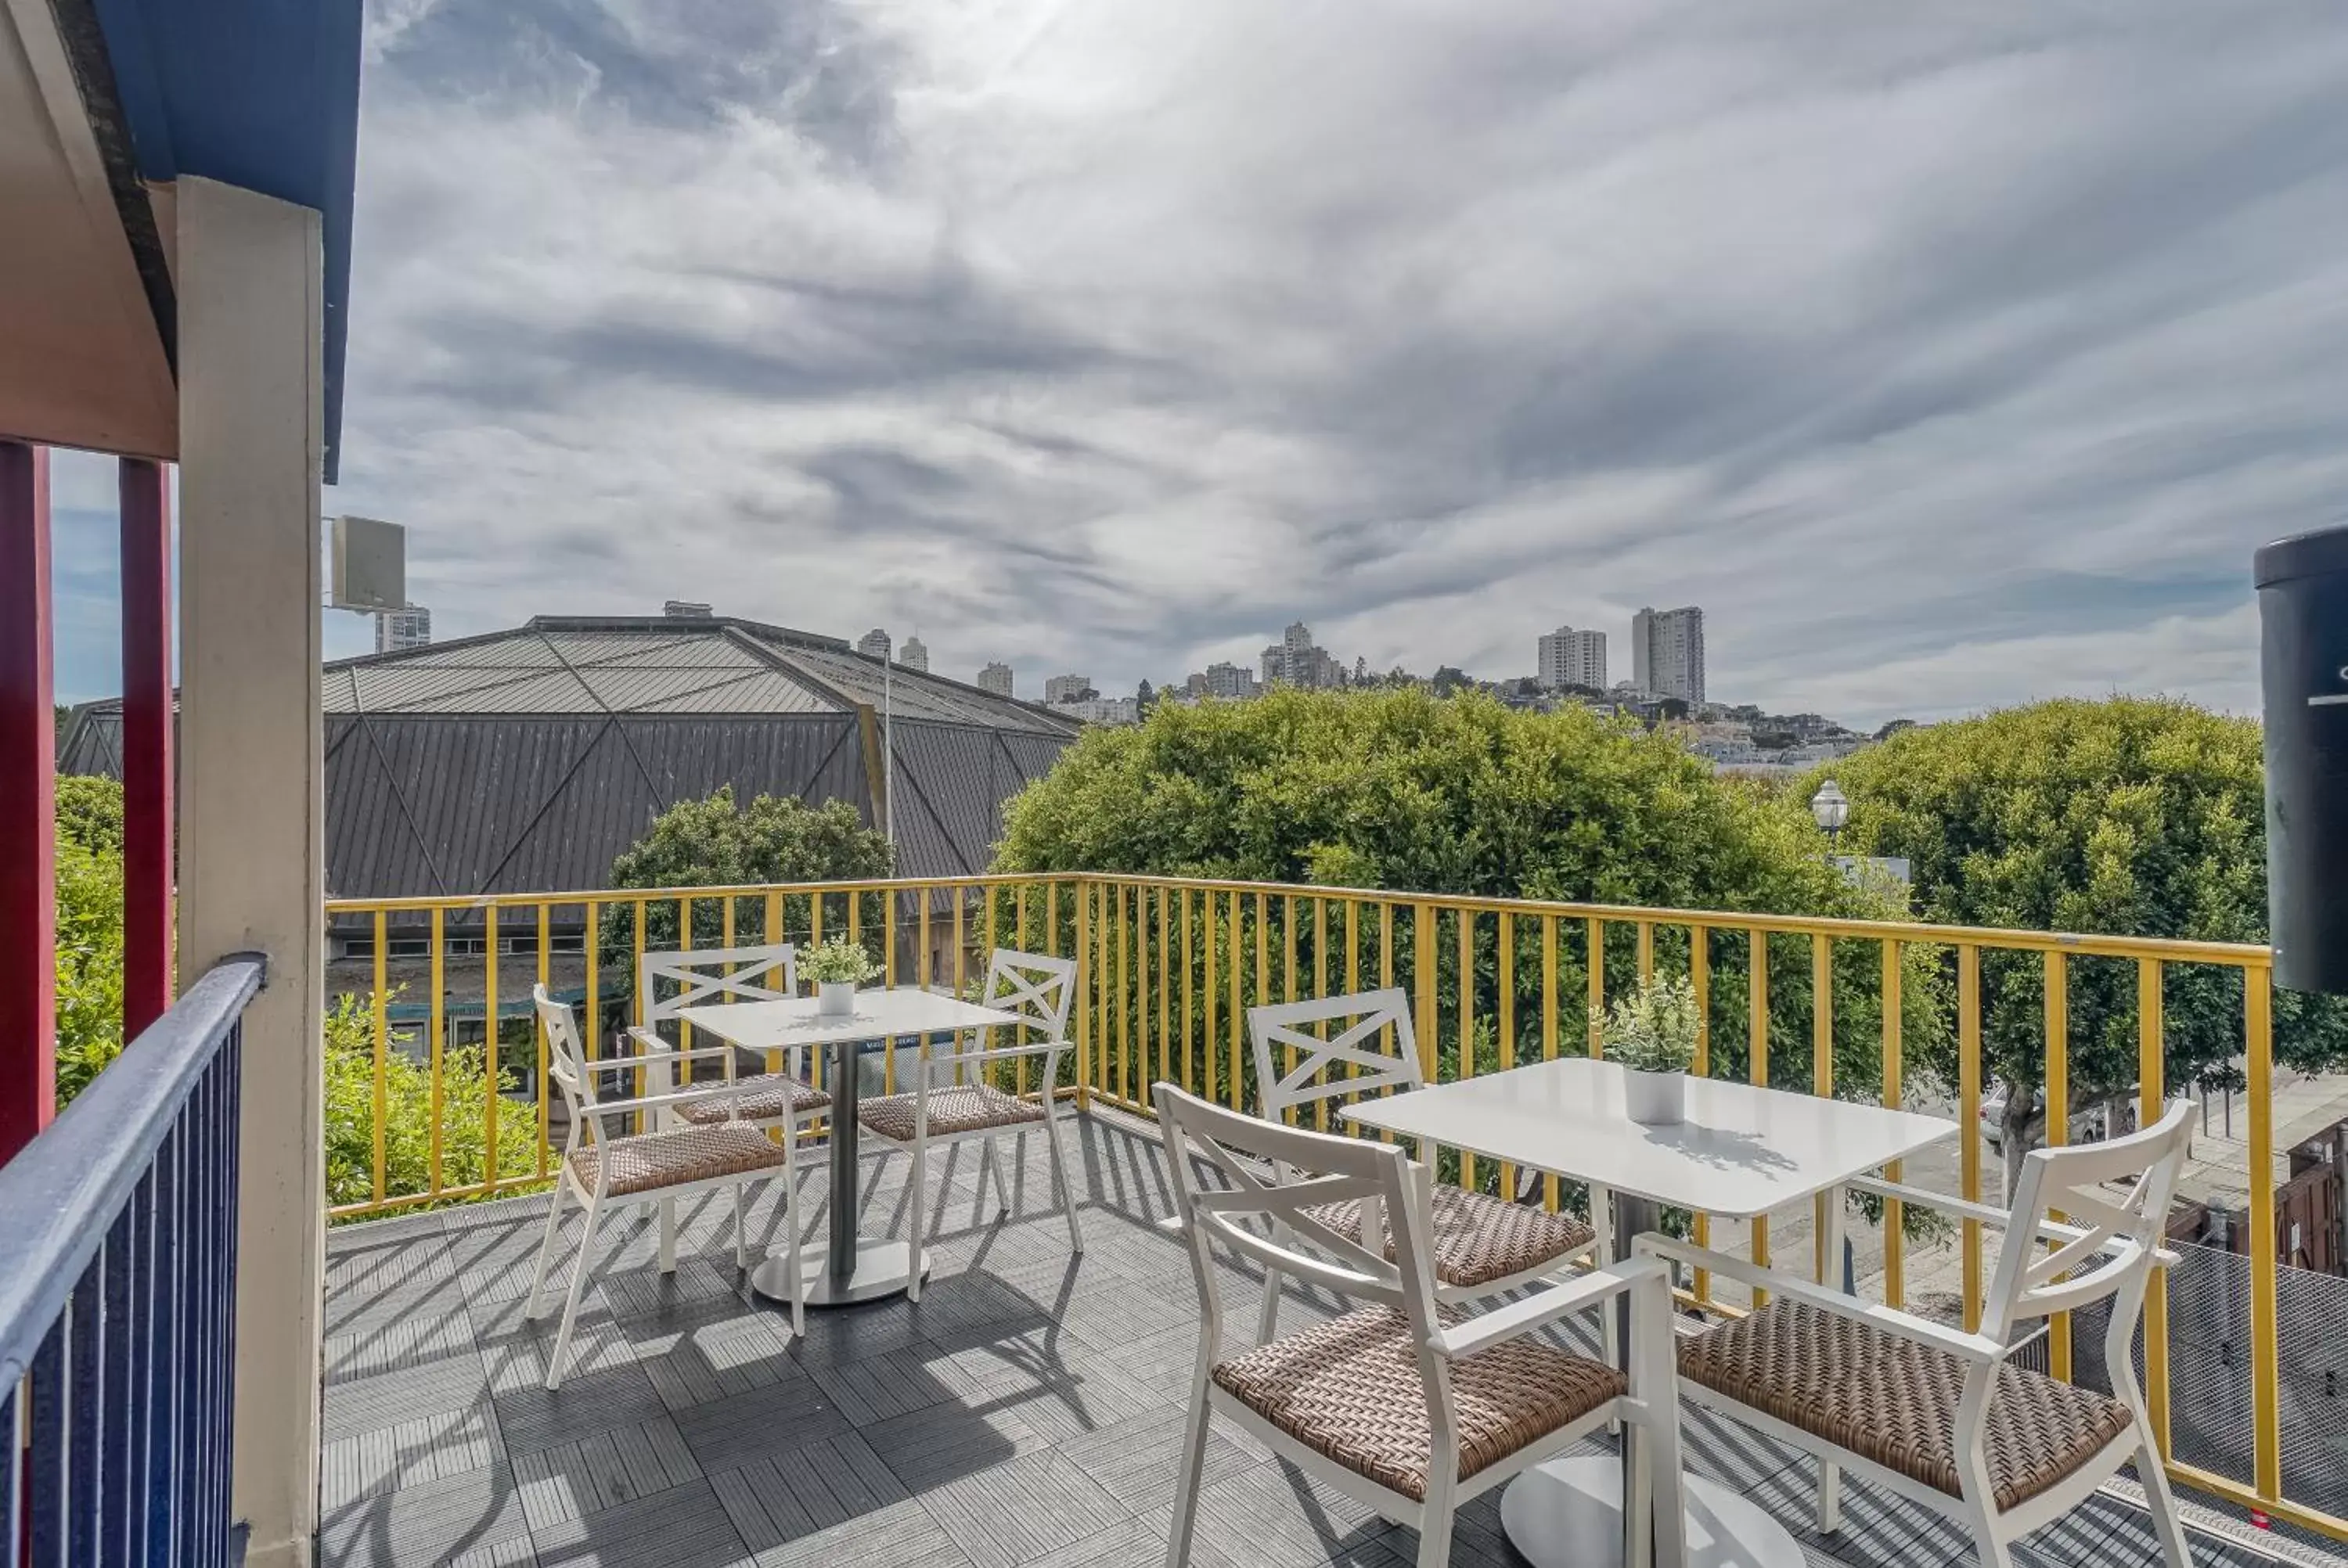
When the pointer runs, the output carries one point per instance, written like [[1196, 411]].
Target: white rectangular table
[[1743, 1153], [854, 1267]]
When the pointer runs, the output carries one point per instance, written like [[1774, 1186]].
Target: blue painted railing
[[118, 1301]]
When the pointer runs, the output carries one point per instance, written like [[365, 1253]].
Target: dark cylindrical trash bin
[[2303, 664]]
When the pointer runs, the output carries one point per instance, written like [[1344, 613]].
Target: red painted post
[[146, 780], [28, 916]]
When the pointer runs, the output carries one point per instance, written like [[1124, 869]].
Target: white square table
[[854, 1267], [1742, 1153]]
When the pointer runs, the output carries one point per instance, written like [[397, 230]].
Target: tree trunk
[[2019, 1126]]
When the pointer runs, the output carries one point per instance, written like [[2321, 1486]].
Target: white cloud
[[1947, 358]]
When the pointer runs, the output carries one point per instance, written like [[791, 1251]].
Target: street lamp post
[[1831, 807]]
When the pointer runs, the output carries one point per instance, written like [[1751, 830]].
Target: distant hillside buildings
[[1063, 688], [1099, 710], [1297, 661], [914, 655], [1227, 680], [995, 679]]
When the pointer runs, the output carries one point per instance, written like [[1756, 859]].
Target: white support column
[[251, 851]]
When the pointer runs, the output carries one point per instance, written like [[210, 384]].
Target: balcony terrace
[[195, 1369], [1026, 1411]]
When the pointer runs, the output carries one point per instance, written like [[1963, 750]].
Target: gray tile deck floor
[[1026, 1413]]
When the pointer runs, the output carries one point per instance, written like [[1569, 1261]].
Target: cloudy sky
[[1946, 359]]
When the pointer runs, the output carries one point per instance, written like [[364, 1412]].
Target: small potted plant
[[1651, 1033], [838, 967]]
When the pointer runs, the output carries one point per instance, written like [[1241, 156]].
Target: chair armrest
[[671, 1097], [1545, 1306], [1001, 1053], [1976, 1348], [1965, 1208], [654, 1046]]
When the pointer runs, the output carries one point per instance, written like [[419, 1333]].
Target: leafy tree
[[714, 843], [89, 930], [1399, 790], [2128, 816], [89, 962], [89, 813], [349, 1044]]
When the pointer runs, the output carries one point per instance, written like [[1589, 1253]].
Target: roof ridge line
[[776, 660]]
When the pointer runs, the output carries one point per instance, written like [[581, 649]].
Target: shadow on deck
[[1026, 1413]]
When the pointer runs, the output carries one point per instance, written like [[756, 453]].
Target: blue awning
[[262, 94]]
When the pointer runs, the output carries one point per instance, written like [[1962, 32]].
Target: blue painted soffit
[[262, 94]]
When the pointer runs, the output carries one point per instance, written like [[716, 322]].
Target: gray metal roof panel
[[695, 654], [510, 649], [548, 691], [762, 691]]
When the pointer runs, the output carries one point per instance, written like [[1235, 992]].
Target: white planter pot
[[1655, 1099], [835, 999]]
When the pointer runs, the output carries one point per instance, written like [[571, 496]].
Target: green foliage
[[1400, 790], [713, 843], [1654, 1028], [2127, 816], [89, 813], [839, 960], [89, 930], [408, 1128], [89, 960]]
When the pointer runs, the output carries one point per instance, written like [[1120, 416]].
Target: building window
[[458, 947]]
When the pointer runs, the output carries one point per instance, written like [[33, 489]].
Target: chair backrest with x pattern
[[1037, 987], [717, 974], [2118, 1233], [1351, 1060], [1257, 1165]]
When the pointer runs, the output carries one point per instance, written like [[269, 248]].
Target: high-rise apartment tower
[[1571, 658], [1667, 653]]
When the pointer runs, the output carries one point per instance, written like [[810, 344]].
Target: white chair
[[782, 1101], [603, 1172], [1409, 1407], [1944, 1416], [1482, 1245], [700, 976], [1040, 989]]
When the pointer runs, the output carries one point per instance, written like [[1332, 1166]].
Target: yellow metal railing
[[1169, 967]]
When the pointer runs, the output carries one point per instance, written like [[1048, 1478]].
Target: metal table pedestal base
[[882, 1268], [1568, 1513]]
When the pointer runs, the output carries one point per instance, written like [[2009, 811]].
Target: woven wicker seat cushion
[[1351, 1389], [1478, 1238], [1893, 1400], [686, 1154], [958, 1108], [769, 1097]]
